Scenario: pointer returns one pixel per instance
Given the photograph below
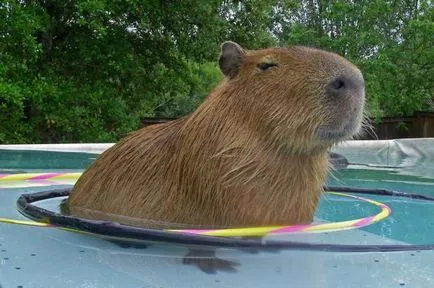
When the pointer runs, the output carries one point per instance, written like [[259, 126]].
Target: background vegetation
[[88, 71]]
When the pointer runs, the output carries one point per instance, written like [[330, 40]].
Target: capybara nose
[[342, 86]]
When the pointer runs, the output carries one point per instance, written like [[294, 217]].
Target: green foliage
[[390, 41], [89, 70]]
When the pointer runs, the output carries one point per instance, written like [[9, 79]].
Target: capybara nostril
[[337, 84], [344, 86]]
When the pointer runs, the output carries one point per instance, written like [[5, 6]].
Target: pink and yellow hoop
[[385, 211]]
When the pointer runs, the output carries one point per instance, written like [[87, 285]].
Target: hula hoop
[[127, 233], [252, 231], [264, 231], [215, 238], [385, 211]]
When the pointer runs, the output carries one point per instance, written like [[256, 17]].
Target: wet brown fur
[[248, 156]]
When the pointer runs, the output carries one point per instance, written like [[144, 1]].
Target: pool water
[[41, 161], [48, 257], [408, 214]]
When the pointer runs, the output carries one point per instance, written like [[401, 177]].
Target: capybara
[[254, 153]]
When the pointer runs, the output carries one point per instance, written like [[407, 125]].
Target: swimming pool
[[47, 257]]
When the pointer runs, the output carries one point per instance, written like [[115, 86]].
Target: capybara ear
[[231, 57]]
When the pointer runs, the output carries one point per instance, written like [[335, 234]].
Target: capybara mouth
[[335, 134]]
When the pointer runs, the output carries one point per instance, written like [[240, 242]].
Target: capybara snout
[[345, 101]]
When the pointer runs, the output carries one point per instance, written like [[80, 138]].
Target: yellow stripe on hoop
[[39, 176], [69, 176], [23, 222]]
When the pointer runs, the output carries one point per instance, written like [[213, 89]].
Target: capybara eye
[[265, 65]]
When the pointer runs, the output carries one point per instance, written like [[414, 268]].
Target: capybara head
[[306, 98]]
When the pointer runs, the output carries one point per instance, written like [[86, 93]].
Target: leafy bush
[[89, 71]]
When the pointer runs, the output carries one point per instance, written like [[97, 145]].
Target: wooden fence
[[421, 125]]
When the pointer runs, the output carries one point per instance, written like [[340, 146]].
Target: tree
[[86, 71], [391, 41]]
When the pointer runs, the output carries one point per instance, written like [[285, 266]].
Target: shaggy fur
[[253, 153]]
